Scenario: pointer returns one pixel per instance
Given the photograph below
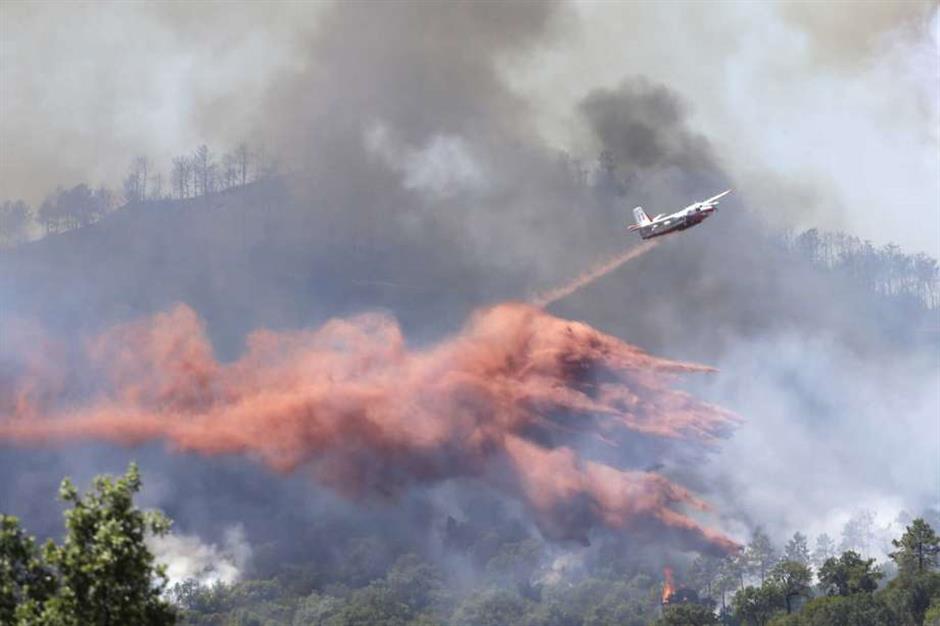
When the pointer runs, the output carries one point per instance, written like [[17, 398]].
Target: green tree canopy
[[792, 580], [910, 596], [102, 573], [491, 608], [686, 614], [754, 606], [26, 582], [861, 609], [917, 549], [849, 574]]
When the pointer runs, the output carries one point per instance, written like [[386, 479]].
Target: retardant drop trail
[[596, 272]]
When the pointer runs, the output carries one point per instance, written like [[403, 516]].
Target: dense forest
[[104, 572]]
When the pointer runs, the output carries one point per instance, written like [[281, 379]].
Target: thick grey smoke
[[421, 149], [827, 116], [824, 120]]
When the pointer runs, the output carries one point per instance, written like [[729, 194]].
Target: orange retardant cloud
[[366, 414]]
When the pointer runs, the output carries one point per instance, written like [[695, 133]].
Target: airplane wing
[[716, 198]]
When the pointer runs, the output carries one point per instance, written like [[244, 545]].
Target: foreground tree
[[102, 573], [25, 580]]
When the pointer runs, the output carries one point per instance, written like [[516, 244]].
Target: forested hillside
[[497, 575]]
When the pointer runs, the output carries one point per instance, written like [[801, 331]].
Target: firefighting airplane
[[663, 224]]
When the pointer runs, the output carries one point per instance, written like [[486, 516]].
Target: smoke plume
[[367, 415]]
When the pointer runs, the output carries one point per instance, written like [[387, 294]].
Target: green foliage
[[26, 582], [317, 610], [412, 592], [932, 617], [861, 609], [491, 608], [849, 574], [910, 595], [416, 584], [104, 562], [597, 601], [755, 606], [911, 599], [375, 605], [687, 615], [917, 549], [102, 573], [792, 580]]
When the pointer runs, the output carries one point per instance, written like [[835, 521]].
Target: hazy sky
[[800, 99]]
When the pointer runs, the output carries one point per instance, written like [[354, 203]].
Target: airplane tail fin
[[642, 219]]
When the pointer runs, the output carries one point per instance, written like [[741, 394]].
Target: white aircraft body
[[664, 224]]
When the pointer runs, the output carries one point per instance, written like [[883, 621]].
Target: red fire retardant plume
[[351, 403]]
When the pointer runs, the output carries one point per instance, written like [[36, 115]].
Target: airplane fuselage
[[673, 223], [680, 220]]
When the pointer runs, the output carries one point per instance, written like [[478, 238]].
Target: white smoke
[[827, 433], [443, 167], [187, 558]]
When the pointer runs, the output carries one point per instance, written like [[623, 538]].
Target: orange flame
[[669, 585]]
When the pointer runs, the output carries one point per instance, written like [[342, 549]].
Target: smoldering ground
[[418, 181]]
